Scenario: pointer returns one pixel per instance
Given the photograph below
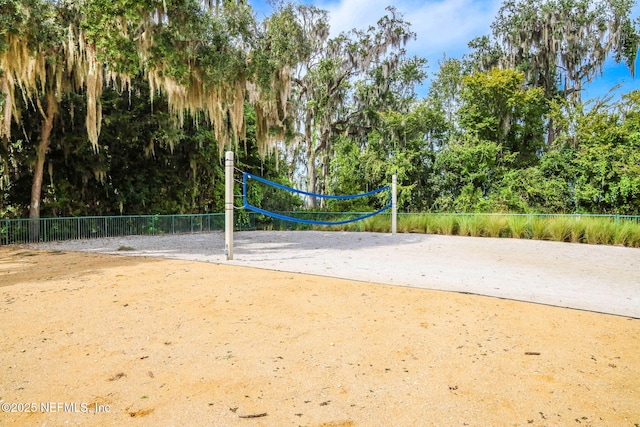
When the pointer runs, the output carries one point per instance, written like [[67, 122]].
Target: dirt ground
[[94, 339]]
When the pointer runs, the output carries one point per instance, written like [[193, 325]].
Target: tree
[[543, 188], [607, 160], [32, 63], [206, 60], [563, 44], [401, 143], [498, 107], [446, 86], [324, 82], [145, 165], [466, 172]]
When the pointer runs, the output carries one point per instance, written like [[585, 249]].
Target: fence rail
[[56, 229]]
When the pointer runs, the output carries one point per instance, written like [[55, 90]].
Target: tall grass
[[578, 228], [481, 225], [538, 227], [575, 229], [627, 234], [376, 224], [598, 232], [412, 224], [497, 226], [444, 224], [518, 227], [559, 229]]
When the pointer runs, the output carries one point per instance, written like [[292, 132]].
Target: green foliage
[[145, 165], [444, 92], [396, 146], [117, 48], [539, 228], [465, 173], [560, 230], [174, 36], [31, 20], [626, 233], [544, 187], [278, 44], [343, 85], [471, 225], [598, 232], [607, 161], [497, 107]]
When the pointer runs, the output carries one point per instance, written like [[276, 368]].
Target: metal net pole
[[228, 205], [394, 204]]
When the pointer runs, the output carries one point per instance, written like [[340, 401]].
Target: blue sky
[[445, 27]]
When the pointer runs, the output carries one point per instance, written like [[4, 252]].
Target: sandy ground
[[90, 338]]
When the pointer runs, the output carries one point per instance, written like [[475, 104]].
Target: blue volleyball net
[[247, 176]]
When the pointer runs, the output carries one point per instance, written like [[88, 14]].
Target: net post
[[228, 205], [394, 204]]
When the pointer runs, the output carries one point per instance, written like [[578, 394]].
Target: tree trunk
[[311, 176], [325, 178], [311, 161], [38, 173], [5, 126], [323, 150], [551, 133]]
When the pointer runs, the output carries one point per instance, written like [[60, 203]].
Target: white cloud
[[349, 14], [441, 26], [450, 25]]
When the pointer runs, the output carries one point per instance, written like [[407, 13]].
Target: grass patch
[[578, 228], [634, 239], [429, 223], [559, 229], [496, 226], [412, 224], [539, 228], [473, 225], [598, 231], [467, 225], [622, 234], [603, 230], [626, 233], [378, 224], [518, 227], [444, 224]]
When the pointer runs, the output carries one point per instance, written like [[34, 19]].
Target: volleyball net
[[246, 177]]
